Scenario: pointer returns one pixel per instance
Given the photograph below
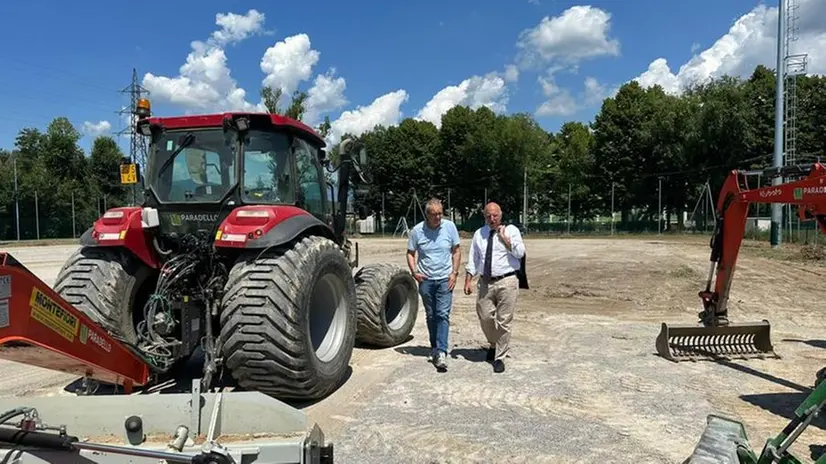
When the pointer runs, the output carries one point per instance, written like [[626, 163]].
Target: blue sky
[[72, 58]]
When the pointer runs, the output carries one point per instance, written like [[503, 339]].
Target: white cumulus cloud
[[561, 43], [94, 129], [326, 94], [559, 102], [205, 82], [289, 62], [749, 42], [579, 33], [384, 110], [477, 91]]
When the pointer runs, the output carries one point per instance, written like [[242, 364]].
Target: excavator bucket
[[689, 342], [723, 441]]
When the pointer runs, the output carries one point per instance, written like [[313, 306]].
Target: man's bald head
[[493, 214]]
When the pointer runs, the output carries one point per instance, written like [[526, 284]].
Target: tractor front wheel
[[288, 320]]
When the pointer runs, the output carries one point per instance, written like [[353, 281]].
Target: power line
[[47, 71]]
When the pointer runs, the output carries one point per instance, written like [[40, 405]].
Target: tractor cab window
[[268, 169], [202, 171], [311, 181]]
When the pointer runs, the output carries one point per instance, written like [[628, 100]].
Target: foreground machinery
[[724, 440], [715, 336], [237, 262]]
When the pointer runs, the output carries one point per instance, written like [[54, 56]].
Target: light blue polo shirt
[[434, 248]]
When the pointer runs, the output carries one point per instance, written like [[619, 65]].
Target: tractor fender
[[263, 226], [122, 227]]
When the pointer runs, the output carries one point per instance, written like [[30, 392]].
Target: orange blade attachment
[[40, 328]]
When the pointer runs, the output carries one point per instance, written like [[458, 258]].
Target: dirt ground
[[583, 383]]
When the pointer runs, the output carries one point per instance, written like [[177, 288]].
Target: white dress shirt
[[502, 260]]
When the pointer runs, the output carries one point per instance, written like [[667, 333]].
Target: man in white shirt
[[495, 254]]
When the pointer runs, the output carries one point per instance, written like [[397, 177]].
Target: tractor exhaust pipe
[[689, 342]]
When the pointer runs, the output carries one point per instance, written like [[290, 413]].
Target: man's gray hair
[[433, 203]]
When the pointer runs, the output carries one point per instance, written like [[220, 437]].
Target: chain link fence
[[68, 218]]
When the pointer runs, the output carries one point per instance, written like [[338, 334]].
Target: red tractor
[[238, 254]]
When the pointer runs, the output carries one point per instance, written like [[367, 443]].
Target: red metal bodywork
[[217, 119], [122, 227], [808, 193], [40, 328], [237, 229]]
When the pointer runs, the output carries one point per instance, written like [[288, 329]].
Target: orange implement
[[40, 328]]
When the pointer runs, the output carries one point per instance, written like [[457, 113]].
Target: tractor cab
[[200, 168]]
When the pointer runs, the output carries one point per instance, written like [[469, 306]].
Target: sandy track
[[583, 383]]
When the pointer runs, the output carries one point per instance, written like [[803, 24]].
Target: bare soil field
[[583, 383]]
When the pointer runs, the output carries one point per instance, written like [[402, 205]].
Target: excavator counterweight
[[714, 336]]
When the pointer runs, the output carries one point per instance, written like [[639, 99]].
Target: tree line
[[60, 189], [645, 146]]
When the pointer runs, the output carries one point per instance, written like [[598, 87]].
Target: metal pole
[[777, 209], [74, 234], [448, 204], [383, 218], [659, 205], [16, 199], [612, 207], [569, 208], [525, 198], [36, 215], [486, 195]]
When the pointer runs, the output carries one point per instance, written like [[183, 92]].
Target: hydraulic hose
[[12, 413], [37, 439]]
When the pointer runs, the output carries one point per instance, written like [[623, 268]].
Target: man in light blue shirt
[[433, 257]]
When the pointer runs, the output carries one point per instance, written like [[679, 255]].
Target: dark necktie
[[488, 256]]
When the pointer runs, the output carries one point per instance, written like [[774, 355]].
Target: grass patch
[[808, 253], [684, 272]]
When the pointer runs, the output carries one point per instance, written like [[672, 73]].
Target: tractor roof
[[216, 120]]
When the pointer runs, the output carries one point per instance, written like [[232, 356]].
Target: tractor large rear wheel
[[106, 284], [288, 320], [388, 302]]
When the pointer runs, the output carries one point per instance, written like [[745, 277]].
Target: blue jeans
[[438, 300]]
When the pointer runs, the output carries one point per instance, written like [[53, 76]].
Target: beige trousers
[[495, 306]]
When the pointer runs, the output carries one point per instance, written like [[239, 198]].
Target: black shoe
[[498, 366], [491, 355]]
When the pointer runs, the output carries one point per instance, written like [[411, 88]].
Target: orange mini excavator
[[715, 336]]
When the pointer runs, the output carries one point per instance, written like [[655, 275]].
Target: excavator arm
[[715, 335]]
